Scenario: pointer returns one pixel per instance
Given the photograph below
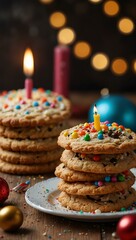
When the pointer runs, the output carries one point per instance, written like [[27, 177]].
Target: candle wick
[[95, 113]]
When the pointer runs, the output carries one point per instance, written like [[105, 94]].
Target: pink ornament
[[4, 190], [126, 227]]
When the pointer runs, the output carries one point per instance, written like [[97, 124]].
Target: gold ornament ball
[[11, 218]]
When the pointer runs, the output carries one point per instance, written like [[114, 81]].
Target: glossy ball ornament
[[11, 218], [115, 108], [126, 227], [4, 190]]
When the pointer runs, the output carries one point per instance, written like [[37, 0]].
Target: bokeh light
[[126, 25], [82, 50], [134, 66], [111, 8], [104, 92], [66, 36], [100, 61], [95, 1], [119, 66], [57, 19], [46, 1]]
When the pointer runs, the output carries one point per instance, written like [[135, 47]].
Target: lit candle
[[96, 119], [28, 66], [61, 70]]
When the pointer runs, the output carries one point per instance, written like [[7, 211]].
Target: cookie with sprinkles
[[30, 158], [103, 203], [84, 138], [110, 184], [99, 163], [45, 107], [27, 169], [51, 130], [71, 176]]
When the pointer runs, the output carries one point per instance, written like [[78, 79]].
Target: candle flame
[[95, 109], [28, 63]]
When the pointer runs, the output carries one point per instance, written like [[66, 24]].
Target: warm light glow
[[111, 8], [82, 50], [66, 36], [57, 19], [134, 66], [46, 1], [119, 66], [126, 25], [95, 1], [104, 91], [28, 63], [100, 61], [95, 109]]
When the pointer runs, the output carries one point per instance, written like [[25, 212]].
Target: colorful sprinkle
[[35, 104], [59, 98], [87, 137], [74, 135], [47, 103], [27, 112], [120, 178], [66, 133], [100, 136], [96, 158], [17, 107], [107, 179]]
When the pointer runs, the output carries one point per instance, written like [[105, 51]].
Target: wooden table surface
[[38, 225]]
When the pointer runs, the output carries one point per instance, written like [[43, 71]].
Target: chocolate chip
[[130, 137], [49, 129], [113, 161]]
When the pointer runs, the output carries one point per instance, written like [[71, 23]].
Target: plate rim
[[64, 212]]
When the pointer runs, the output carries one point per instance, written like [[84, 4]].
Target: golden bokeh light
[[46, 1], [100, 61], [66, 36], [126, 25], [82, 50], [104, 92], [95, 1], [134, 66], [111, 8], [57, 19], [119, 66]]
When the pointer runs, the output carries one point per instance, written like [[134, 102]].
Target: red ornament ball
[[4, 190], [126, 227]]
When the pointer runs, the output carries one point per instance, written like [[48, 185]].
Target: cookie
[[84, 138], [98, 187], [27, 169], [71, 176], [30, 158], [110, 163], [51, 130], [28, 145], [45, 107], [106, 203]]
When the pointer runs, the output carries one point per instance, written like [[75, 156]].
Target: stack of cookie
[[29, 129], [95, 168]]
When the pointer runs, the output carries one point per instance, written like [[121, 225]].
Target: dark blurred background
[[25, 23]]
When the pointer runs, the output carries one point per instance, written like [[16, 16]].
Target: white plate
[[43, 197]]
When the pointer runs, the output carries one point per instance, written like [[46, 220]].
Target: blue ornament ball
[[115, 108]]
